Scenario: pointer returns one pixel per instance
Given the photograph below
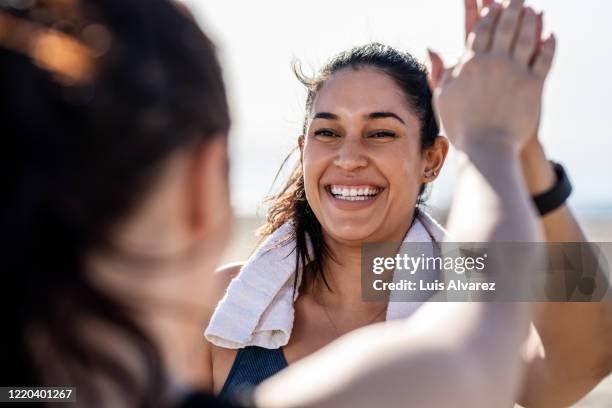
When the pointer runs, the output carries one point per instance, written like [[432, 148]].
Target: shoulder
[[230, 269], [221, 359], [218, 285], [218, 361], [222, 278]]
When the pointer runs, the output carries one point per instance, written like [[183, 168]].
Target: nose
[[351, 156]]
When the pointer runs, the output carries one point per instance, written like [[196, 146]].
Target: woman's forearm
[[560, 224], [575, 336], [436, 358], [502, 211]]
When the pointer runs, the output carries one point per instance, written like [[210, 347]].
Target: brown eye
[[382, 134], [324, 133]]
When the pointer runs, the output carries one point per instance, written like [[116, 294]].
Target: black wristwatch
[[557, 195]]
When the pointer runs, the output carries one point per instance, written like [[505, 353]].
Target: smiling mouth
[[353, 193]]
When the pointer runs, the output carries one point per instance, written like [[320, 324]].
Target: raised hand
[[473, 12], [495, 90]]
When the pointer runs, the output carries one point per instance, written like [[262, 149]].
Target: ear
[[433, 159], [209, 204]]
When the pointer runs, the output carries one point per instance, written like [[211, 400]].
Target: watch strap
[[557, 195]]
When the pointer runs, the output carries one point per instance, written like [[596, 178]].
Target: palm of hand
[[495, 91], [490, 95]]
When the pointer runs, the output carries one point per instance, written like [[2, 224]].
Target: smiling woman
[[369, 127], [366, 133], [370, 146]]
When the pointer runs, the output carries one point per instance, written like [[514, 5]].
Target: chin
[[352, 231]]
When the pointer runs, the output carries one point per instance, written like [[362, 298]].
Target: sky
[[258, 40]]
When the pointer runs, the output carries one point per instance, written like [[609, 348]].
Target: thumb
[[436, 69]]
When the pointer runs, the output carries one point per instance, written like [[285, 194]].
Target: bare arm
[[570, 354], [575, 336], [458, 345]]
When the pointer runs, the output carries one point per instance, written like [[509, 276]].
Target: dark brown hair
[[290, 203], [81, 147]]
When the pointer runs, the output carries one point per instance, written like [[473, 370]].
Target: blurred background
[[258, 40]]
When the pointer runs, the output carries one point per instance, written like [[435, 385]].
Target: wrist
[[538, 172], [495, 162], [532, 151], [555, 196], [488, 143]]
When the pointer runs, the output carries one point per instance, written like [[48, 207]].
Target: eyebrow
[[373, 115], [383, 115], [325, 115]]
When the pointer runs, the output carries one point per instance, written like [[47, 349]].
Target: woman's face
[[362, 159]]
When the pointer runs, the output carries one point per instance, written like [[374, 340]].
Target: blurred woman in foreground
[[116, 211]]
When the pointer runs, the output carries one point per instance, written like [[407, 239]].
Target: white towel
[[257, 309]]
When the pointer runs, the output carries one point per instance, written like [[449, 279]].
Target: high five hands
[[494, 92]]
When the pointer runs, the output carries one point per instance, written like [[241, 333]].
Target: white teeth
[[353, 193], [351, 198]]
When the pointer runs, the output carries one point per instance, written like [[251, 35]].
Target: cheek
[[402, 169], [314, 162]]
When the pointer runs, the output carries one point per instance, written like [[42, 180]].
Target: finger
[[486, 3], [479, 40], [526, 40], [437, 69], [446, 77], [544, 59], [507, 26], [443, 75], [539, 30], [539, 25], [471, 16]]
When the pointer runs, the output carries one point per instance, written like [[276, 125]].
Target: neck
[[343, 272], [179, 340], [173, 324]]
